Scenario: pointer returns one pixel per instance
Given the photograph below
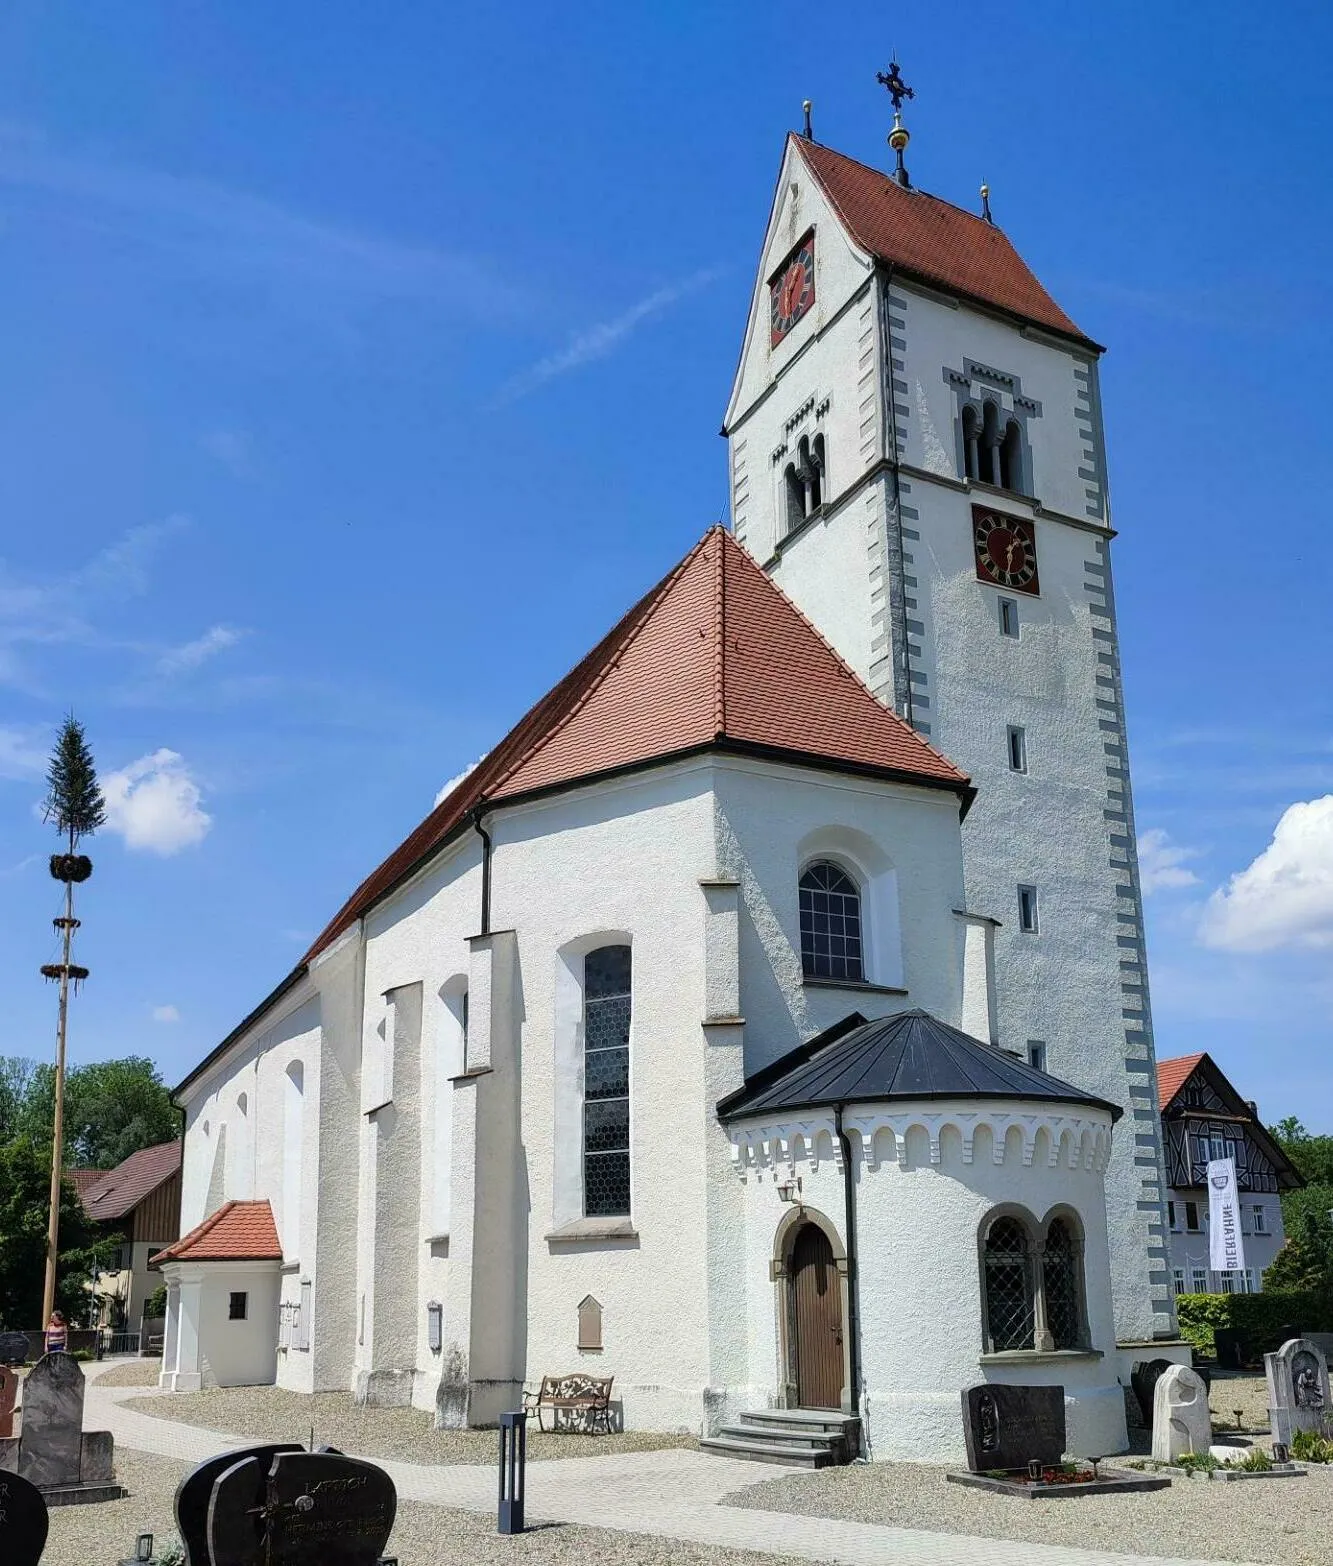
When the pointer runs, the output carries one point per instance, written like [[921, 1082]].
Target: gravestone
[[196, 1490], [1011, 1426], [307, 1509], [68, 1465], [9, 1391], [1181, 1419], [1143, 1378], [1298, 1397], [23, 1522], [13, 1348]]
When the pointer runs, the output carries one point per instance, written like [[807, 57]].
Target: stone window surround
[[806, 423], [995, 386], [876, 879], [1043, 1342]]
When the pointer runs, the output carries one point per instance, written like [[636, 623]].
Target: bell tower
[[917, 457]]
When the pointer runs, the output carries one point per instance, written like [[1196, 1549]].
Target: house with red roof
[[139, 1201], [763, 1024], [1204, 1119]]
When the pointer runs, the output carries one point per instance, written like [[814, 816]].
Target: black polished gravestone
[[23, 1521], [13, 1348], [196, 1490], [310, 1509], [1012, 1426]]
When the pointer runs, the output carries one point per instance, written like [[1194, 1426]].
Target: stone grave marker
[[1181, 1421], [9, 1391], [196, 1490], [307, 1509], [68, 1464], [1298, 1394], [1011, 1426], [1143, 1379], [23, 1522], [13, 1348]]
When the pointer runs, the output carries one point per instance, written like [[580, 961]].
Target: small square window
[[1017, 742], [1009, 617], [1199, 1280], [236, 1307], [1027, 909], [1260, 1220], [1037, 1054]]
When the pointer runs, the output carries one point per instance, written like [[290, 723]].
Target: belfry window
[[831, 946], [992, 452], [606, 1027], [804, 481]]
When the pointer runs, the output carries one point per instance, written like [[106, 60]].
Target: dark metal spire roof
[[910, 1055]]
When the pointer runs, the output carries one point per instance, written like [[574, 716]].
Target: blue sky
[[361, 365]]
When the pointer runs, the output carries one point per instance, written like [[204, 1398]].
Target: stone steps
[[798, 1437]]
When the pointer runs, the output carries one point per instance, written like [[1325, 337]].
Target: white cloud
[[165, 1014], [457, 778], [1162, 863], [596, 342], [181, 660], [1285, 898], [155, 804]]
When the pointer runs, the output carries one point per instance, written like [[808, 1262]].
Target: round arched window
[[830, 923]]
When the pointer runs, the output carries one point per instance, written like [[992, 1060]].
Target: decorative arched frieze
[[1071, 1139]]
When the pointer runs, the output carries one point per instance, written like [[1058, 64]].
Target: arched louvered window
[[1061, 1274], [606, 1023], [831, 945], [1008, 1286], [971, 442], [1011, 458]]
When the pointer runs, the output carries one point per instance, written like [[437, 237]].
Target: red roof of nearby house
[[118, 1190], [83, 1181], [932, 239], [715, 655], [1173, 1074], [238, 1231]]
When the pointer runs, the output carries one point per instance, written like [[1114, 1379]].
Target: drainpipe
[[853, 1279], [485, 873]]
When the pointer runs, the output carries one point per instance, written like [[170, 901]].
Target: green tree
[[113, 1109], [15, 1092], [74, 803], [24, 1198]]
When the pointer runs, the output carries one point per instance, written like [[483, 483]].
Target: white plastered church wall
[[926, 1177]]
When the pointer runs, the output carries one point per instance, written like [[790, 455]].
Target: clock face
[[1006, 550], [792, 291]]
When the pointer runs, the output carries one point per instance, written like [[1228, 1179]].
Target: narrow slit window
[[606, 1025], [1009, 618], [236, 1307], [1017, 741], [1036, 1054], [1199, 1280], [1027, 909], [1178, 1280]]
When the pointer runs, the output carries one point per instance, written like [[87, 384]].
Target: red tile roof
[[119, 1190], [933, 240], [1173, 1074], [83, 1181], [714, 655], [238, 1231]]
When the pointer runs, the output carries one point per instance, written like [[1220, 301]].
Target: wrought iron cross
[[896, 86]]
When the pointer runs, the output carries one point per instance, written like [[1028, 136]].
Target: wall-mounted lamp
[[790, 1191]]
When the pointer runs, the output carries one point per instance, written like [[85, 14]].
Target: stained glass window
[[1009, 1291], [830, 924], [606, 1018]]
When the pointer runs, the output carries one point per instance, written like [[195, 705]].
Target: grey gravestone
[[196, 1490], [97, 1460], [1009, 1427], [51, 1445], [23, 1522], [310, 1509], [13, 1348], [1143, 1378], [1298, 1395], [9, 1390]]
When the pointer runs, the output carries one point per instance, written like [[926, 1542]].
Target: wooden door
[[816, 1320]]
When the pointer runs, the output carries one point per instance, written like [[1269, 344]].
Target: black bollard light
[[513, 1471]]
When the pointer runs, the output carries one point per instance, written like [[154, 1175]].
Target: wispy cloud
[[188, 657], [597, 342], [164, 1013], [1162, 863], [232, 449], [212, 230], [22, 753]]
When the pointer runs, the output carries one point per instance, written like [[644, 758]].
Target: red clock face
[[792, 291], [1006, 550]]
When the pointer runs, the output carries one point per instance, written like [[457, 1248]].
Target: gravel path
[[1239, 1389], [274, 1414], [131, 1373], [423, 1535], [1287, 1522]]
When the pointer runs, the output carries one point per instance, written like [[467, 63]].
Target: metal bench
[[587, 1396]]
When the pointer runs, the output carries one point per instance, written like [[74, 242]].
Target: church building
[[764, 1022]]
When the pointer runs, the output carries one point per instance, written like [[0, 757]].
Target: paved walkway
[[672, 1493]]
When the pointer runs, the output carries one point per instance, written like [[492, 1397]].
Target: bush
[[1307, 1447], [1259, 1318], [155, 1306]]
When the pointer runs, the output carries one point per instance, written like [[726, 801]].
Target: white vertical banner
[[1226, 1248]]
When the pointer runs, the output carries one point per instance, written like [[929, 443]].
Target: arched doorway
[[816, 1319]]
